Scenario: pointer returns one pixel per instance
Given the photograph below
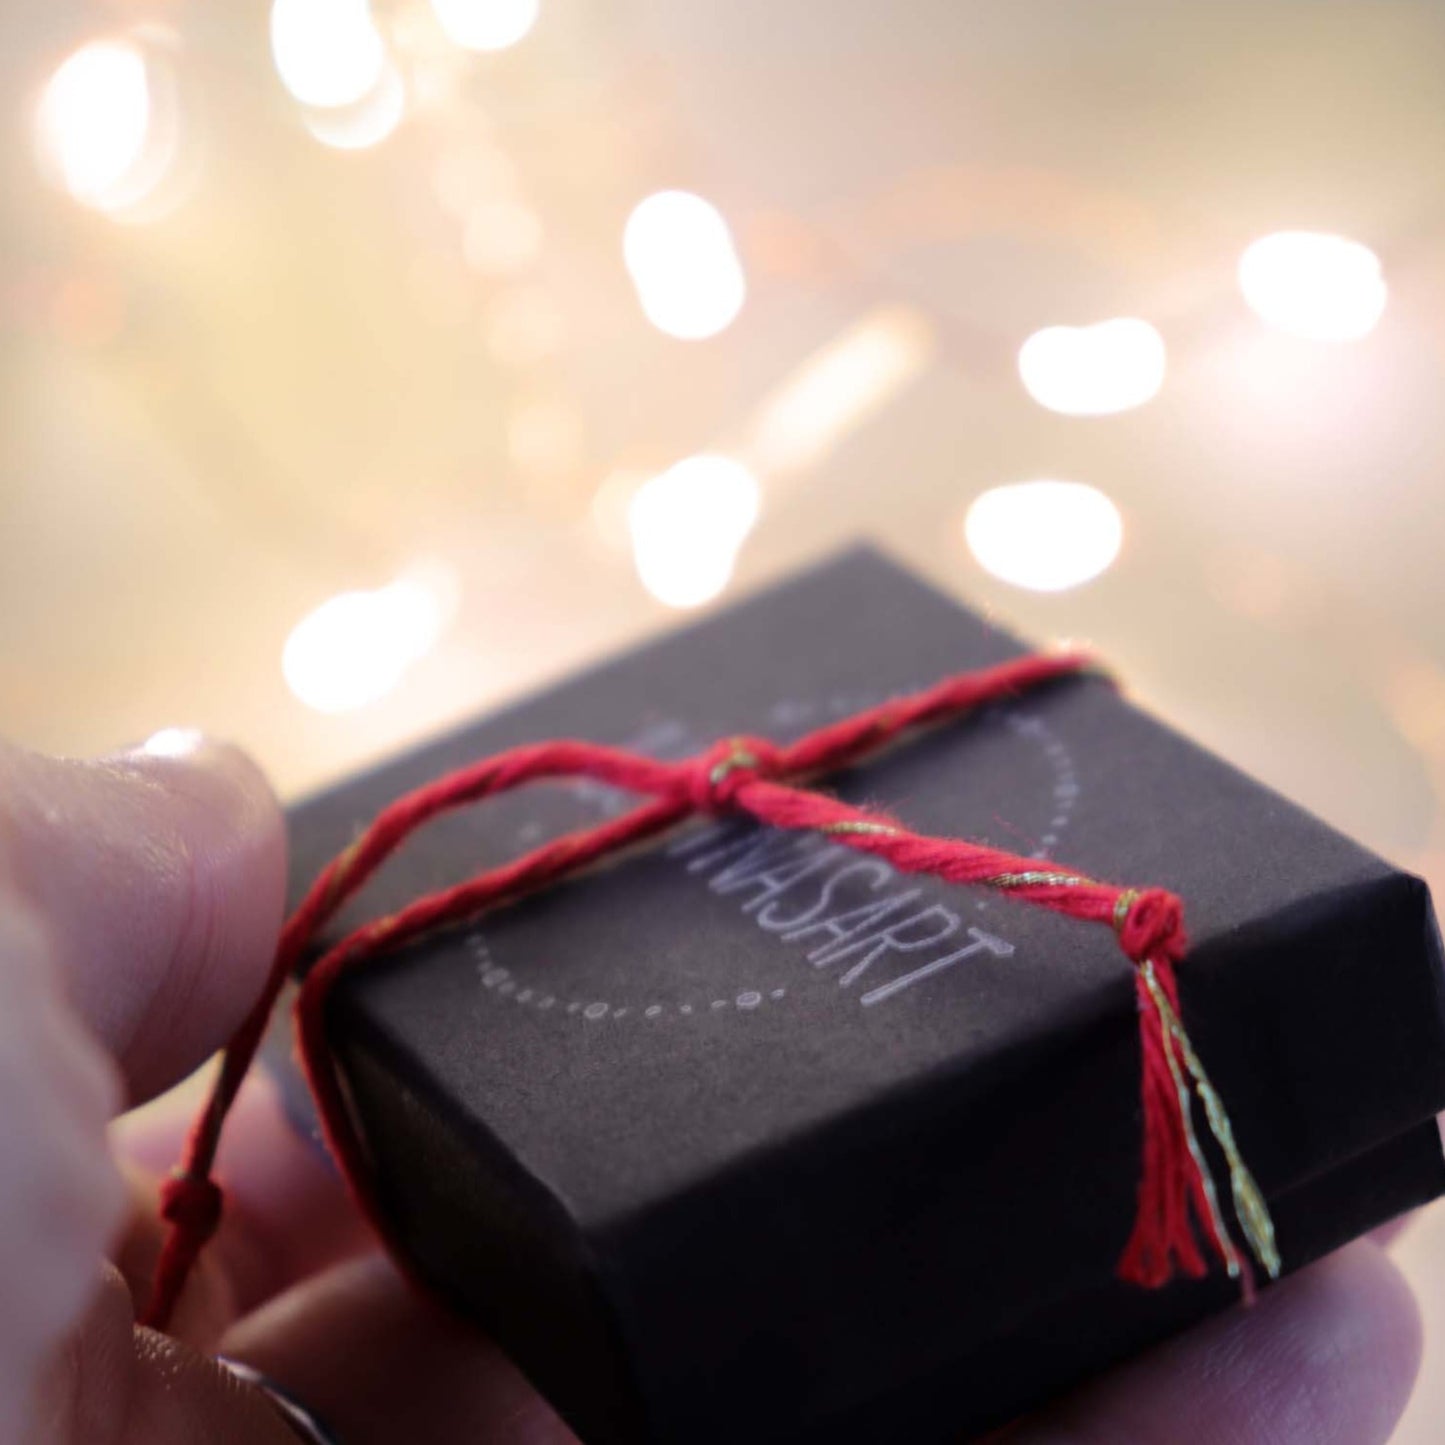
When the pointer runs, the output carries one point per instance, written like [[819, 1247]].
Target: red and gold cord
[[750, 776]]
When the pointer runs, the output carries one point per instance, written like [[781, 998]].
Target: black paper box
[[713, 1167]]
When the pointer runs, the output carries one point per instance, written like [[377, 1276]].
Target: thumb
[[159, 874]]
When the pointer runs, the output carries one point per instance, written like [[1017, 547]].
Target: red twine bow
[[755, 777]]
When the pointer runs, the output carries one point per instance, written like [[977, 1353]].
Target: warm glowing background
[[366, 365]]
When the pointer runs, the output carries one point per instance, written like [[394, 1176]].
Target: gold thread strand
[[1037, 879], [1191, 1139], [738, 758], [1122, 904], [858, 826], [1249, 1201], [341, 869]]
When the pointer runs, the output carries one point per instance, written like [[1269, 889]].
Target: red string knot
[[192, 1204], [1150, 924], [716, 776]]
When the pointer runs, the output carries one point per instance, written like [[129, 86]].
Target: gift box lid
[[746, 1127]]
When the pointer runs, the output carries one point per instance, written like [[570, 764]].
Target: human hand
[[139, 902]]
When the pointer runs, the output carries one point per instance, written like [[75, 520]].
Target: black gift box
[[746, 1138]]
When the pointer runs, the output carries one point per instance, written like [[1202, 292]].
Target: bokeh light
[[1044, 535], [687, 526], [467, 175], [1321, 287], [1093, 370], [1274, 395], [88, 310], [610, 503], [680, 255], [328, 53], [357, 646], [95, 123], [524, 325], [486, 24], [546, 438], [503, 236], [840, 386], [368, 122]]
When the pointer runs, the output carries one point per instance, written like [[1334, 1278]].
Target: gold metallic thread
[[1122, 904], [341, 870], [1249, 1201], [740, 757], [1186, 1114], [1038, 879]]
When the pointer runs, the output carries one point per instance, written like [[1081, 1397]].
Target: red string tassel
[[754, 777]]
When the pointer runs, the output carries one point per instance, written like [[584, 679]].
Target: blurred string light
[[503, 236], [1260, 583], [486, 24], [687, 526], [680, 255], [1308, 396], [1323, 288], [546, 439], [467, 175], [610, 503], [94, 116], [107, 124], [88, 310], [366, 123], [328, 53], [524, 325], [1093, 370], [839, 386], [1044, 535], [357, 646]]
